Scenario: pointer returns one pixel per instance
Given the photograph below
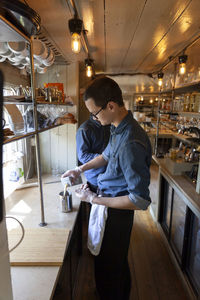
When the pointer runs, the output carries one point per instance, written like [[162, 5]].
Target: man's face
[[99, 113]]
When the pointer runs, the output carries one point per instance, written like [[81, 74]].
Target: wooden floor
[[153, 274]]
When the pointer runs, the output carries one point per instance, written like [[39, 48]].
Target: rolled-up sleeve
[[135, 167], [106, 152]]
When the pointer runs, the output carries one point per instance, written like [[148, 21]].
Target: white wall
[[58, 145], [58, 149]]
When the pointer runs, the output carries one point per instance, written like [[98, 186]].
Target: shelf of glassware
[[37, 103], [180, 113], [187, 88], [188, 114], [28, 134], [23, 101], [53, 103]]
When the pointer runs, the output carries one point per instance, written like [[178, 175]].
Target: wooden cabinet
[[182, 229], [193, 257], [178, 218], [67, 278], [167, 206]]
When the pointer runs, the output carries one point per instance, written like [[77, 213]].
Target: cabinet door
[[193, 263], [178, 224], [166, 194]]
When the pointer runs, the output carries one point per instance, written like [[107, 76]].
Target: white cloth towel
[[97, 222]]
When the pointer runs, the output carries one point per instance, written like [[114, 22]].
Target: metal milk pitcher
[[66, 201]]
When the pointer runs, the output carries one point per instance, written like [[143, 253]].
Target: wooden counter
[[171, 134], [183, 186], [39, 282], [178, 217]]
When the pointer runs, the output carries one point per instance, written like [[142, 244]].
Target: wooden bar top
[[183, 186], [38, 282]]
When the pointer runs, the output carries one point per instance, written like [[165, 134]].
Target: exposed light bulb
[[160, 79], [75, 42], [151, 101], [89, 71], [160, 82], [182, 68], [182, 64]]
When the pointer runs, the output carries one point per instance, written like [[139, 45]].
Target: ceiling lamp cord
[[79, 36]]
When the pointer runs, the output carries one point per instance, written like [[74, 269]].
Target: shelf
[[167, 112], [38, 103], [28, 134], [192, 87], [189, 113], [53, 103], [19, 137], [18, 102], [145, 105]]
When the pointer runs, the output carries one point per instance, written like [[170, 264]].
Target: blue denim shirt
[[91, 140], [129, 157]]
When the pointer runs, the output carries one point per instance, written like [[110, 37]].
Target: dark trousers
[[92, 187], [112, 274]]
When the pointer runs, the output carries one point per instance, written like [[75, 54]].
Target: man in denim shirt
[[91, 140], [123, 187]]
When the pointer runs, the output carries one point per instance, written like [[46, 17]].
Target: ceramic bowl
[[18, 48], [8, 53], [20, 66], [3, 48], [39, 50], [41, 70], [2, 59]]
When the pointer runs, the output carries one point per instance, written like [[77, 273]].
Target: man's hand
[[73, 174], [84, 194]]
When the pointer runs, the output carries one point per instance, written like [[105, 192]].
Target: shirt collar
[[122, 125], [97, 123]]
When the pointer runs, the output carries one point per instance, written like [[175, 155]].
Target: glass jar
[[197, 103], [186, 102], [192, 103]]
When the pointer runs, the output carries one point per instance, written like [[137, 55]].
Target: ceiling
[[130, 36]]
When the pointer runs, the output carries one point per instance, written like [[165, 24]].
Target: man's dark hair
[[102, 90]]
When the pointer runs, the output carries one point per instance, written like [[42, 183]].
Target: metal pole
[[157, 128], [39, 173]]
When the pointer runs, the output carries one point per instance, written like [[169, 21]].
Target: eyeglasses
[[95, 115]]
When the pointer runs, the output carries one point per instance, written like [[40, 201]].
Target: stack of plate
[[18, 55]]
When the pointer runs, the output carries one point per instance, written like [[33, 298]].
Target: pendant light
[[160, 79], [75, 28], [88, 65], [182, 64]]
